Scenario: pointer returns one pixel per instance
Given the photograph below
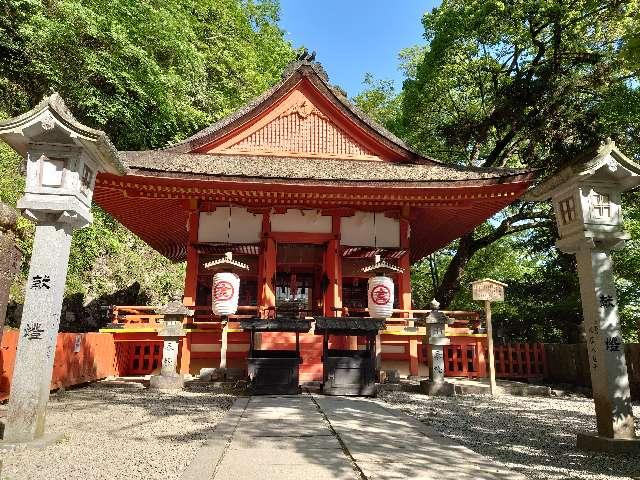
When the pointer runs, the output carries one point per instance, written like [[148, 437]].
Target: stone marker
[[63, 159], [435, 323], [171, 331], [586, 201], [488, 290]]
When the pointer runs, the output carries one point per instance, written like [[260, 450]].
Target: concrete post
[[33, 367], [609, 380]]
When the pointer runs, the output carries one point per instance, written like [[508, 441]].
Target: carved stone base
[[37, 443], [166, 382], [596, 443], [440, 389]]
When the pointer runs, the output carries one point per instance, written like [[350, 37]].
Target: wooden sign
[[488, 290]]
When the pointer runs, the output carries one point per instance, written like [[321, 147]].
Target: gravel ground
[[117, 431], [533, 435]]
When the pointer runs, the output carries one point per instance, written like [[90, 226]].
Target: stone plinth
[[173, 381], [597, 443]]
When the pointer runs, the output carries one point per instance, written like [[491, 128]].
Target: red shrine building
[[305, 189]]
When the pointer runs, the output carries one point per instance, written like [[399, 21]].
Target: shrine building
[[305, 189]]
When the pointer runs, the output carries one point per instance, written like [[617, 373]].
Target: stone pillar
[[609, 379], [33, 367], [435, 323], [171, 331], [63, 159], [437, 341], [169, 356]]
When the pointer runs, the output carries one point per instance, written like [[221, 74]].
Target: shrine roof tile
[[145, 163]]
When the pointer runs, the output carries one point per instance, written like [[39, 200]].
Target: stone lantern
[[586, 201], [380, 292], [171, 330], [435, 323], [63, 158]]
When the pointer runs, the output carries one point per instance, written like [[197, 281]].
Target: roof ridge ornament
[[303, 108]]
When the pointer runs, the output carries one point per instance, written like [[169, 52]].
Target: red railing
[[462, 361], [520, 361], [137, 316]]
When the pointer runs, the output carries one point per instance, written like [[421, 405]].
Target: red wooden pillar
[[404, 287], [404, 279], [268, 271], [193, 261], [333, 269]]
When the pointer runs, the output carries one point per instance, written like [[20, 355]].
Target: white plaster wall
[[307, 221], [229, 224], [387, 231], [369, 229]]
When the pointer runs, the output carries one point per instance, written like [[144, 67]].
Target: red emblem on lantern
[[223, 291], [381, 295]]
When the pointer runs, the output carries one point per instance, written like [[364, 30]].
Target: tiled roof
[[291, 75], [308, 169]]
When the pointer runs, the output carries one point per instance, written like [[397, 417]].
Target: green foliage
[[145, 72], [522, 83], [148, 73], [381, 103]]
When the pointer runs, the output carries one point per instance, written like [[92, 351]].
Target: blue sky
[[354, 37]]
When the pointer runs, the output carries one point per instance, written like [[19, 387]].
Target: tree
[[147, 73], [520, 83]]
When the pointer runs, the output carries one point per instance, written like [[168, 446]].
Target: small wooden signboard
[[489, 290]]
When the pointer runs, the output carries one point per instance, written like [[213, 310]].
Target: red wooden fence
[[461, 361], [79, 358], [520, 361]]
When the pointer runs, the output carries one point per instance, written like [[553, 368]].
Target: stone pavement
[[316, 438]]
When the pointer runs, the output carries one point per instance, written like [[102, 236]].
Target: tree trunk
[[450, 284], [10, 258]]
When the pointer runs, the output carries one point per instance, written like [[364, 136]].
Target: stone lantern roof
[[50, 121], [604, 162], [176, 308]]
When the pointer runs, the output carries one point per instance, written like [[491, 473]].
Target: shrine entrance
[[300, 279]]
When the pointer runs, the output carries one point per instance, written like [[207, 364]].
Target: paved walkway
[[324, 438]]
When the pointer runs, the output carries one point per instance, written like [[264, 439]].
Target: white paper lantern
[[224, 295], [380, 297]]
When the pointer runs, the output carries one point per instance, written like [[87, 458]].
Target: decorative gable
[[300, 125]]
